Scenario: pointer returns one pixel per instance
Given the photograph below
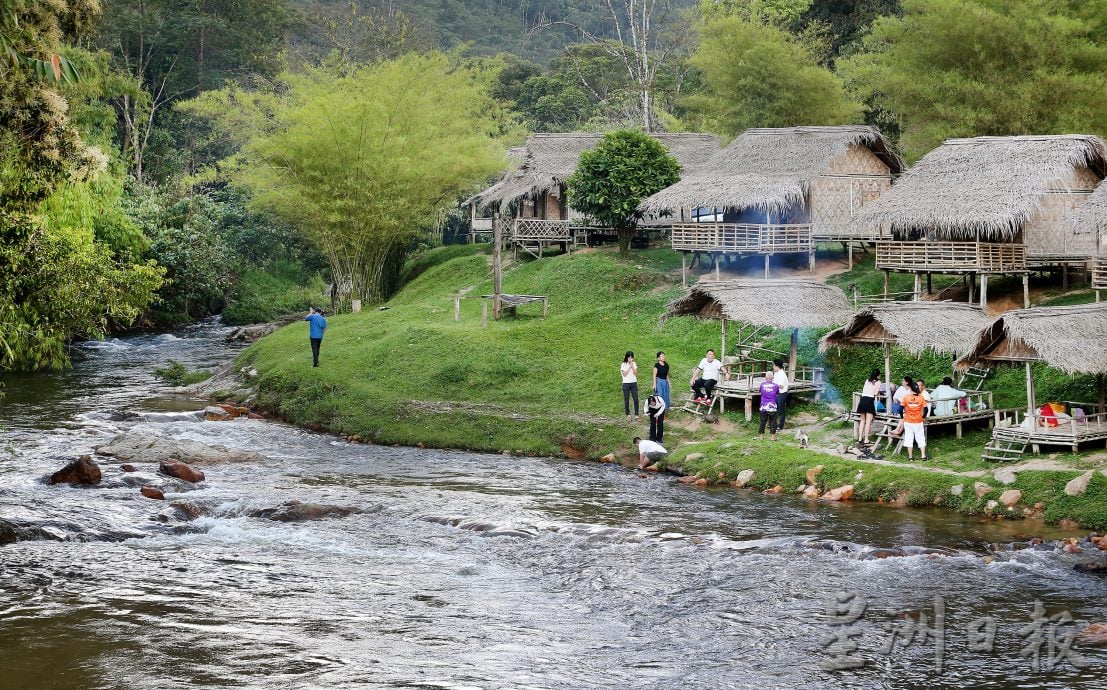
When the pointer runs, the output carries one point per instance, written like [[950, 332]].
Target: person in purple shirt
[[769, 393], [316, 325]]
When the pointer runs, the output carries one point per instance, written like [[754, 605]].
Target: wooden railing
[[1090, 426], [742, 237], [536, 229], [1099, 274], [922, 255], [745, 373]]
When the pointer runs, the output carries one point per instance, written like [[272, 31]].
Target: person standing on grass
[[629, 370], [914, 429], [649, 451], [316, 325], [780, 378], [655, 410], [770, 393], [705, 377], [866, 407], [661, 378]]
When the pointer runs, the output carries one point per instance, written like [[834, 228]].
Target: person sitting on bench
[[705, 377]]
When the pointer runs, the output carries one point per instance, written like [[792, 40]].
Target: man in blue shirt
[[316, 324]]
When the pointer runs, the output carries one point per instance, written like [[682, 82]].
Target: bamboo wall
[[1049, 232], [852, 180]]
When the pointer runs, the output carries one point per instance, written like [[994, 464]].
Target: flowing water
[[476, 571]]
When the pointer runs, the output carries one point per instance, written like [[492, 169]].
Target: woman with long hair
[[661, 378], [629, 371], [866, 407]]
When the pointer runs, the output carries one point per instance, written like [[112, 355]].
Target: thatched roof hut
[[1072, 339], [947, 327], [547, 160], [1019, 189], [824, 174], [1090, 218], [773, 303]]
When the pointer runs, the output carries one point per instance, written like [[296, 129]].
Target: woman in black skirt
[[867, 407]]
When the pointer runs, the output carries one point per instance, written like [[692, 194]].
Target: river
[[475, 571]]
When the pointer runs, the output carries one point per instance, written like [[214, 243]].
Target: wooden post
[[497, 266], [972, 288], [722, 352], [984, 292], [716, 257], [929, 284], [457, 308], [918, 286], [887, 377], [472, 223], [545, 306], [886, 278], [1065, 277], [793, 355], [484, 314], [767, 265], [749, 409], [683, 269], [849, 254], [1099, 385], [1025, 290], [811, 258], [1030, 398]]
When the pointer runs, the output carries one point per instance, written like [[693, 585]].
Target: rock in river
[[81, 471], [152, 492], [180, 470], [294, 511], [139, 446]]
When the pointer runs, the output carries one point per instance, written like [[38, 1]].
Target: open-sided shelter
[[1089, 222]]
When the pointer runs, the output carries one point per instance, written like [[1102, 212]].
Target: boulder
[[991, 506], [1005, 475], [813, 472], [811, 492], [294, 511], [183, 471], [1068, 523], [653, 468], [254, 331], [215, 413], [842, 493], [692, 457], [957, 490], [700, 483], [1096, 633], [1077, 486], [1091, 568], [743, 478], [688, 479], [152, 492], [82, 471], [1010, 497], [610, 457], [981, 489], [143, 447], [126, 467], [778, 489], [187, 511]]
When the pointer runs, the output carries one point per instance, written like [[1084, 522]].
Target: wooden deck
[[1099, 274], [533, 235], [981, 408], [1011, 428], [746, 377], [742, 238], [950, 257]]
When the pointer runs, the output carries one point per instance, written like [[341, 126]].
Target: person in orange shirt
[[914, 429]]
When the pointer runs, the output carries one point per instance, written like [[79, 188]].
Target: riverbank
[[410, 374]]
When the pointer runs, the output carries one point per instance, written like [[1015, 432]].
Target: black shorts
[[867, 405]]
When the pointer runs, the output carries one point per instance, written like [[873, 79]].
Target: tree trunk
[[625, 236]]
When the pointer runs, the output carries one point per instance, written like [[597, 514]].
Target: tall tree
[[758, 75], [612, 179], [363, 162], [950, 68]]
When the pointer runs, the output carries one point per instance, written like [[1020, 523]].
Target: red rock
[[189, 511], [1072, 548], [778, 489], [811, 492], [572, 452], [610, 457], [813, 472], [294, 511], [842, 493], [688, 479], [81, 471], [128, 468], [701, 483], [255, 415], [1069, 524], [653, 468], [178, 469], [1096, 633], [152, 492]]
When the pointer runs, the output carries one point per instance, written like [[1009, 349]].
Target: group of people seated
[[942, 401]]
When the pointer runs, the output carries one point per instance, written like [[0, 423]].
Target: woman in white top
[[629, 370], [866, 407]]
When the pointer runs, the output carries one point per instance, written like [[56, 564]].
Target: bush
[[176, 374], [266, 294]]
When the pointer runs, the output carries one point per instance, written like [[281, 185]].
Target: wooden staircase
[[1001, 449], [972, 379]]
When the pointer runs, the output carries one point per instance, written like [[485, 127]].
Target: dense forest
[[166, 160]]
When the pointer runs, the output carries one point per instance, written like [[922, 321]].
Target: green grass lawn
[[407, 373]]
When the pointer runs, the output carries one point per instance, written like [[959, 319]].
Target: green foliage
[[362, 162], [612, 179], [759, 75], [950, 68], [278, 289], [176, 374], [779, 12]]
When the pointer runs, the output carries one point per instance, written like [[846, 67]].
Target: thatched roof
[[547, 160], [775, 303], [769, 169], [1091, 216], [984, 188], [915, 326], [1073, 339]]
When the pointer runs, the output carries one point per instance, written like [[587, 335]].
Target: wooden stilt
[[811, 259], [918, 286], [457, 308], [722, 351], [483, 314], [1025, 290], [886, 280], [887, 377], [497, 267], [849, 254], [984, 292], [1031, 404], [929, 284], [972, 287], [749, 409], [716, 267], [1065, 277], [793, 354], [683, 269], [766, 265], [1099, 386]]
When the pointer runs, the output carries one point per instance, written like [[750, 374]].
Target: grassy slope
[[531, 385]]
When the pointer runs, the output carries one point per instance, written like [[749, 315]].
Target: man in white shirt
[[780, 378], [705, 377], [649, 451], [946, 398]]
